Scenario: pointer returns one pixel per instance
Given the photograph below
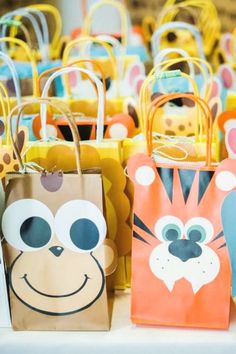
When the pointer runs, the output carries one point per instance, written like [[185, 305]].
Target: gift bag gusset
[[180, 261], [56, 249]]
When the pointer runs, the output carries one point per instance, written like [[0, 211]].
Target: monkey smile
[[86, 278]]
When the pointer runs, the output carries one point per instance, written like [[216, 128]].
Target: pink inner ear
[[232, 140], [134, 72], [227, 77], [139, 85], [73, 79], [215, 89], [228, 45]]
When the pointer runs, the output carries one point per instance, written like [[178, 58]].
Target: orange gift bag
[[180, 264]]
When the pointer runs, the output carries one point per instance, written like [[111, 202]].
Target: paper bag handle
[[123, 18], [157, 103], [18, 14], [77, 62], [42, 36], [5, 106], [9, 62], [17, 112], [104, 45], [28, 52], [144, 94], [208, 21], [203, 66], [156, 38], [162, 56], [101, 98], [57, 29]]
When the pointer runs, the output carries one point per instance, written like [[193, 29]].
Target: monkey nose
[[56, 250]]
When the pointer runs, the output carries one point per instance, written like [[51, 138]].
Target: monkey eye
[[27, 225], [80, 226]]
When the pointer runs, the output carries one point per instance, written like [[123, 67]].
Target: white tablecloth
[[124, 338]]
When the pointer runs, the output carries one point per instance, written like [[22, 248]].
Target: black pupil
[[172, 235], [35, 232], [195, 235], [171, 37], [84, 234]]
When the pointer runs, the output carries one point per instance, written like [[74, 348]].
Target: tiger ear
[[142, 170]]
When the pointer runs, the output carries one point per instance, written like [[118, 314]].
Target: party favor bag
[[103, 153], [57, 253], [180, 264]]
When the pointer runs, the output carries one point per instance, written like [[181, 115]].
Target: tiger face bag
[[180, 266]]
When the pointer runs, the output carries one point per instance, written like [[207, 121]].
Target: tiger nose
[[56, 250], [185, 249]]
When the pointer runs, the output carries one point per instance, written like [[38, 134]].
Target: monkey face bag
[[57, 252]]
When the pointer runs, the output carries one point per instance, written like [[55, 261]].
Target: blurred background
[[138, 9]]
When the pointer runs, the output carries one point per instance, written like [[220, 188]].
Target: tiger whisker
[[220, 234], [140, 224], [140, 238], [222, 246]]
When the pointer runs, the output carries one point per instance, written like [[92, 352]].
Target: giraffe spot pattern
[[7, 158]]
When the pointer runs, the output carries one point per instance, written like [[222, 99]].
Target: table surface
[[124, 338]]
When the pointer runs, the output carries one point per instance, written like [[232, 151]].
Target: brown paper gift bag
[[57, 253]]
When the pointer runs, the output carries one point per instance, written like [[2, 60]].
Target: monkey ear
[[110, 261]]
